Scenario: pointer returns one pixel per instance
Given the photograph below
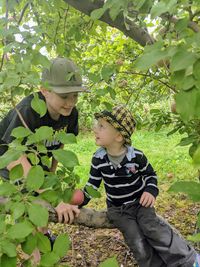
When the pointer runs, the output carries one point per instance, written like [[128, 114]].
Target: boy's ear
[[119, 137], [44, 91]]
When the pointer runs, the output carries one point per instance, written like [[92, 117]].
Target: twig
[[19, 114], [22, 13], [149, 75], [57, 26]]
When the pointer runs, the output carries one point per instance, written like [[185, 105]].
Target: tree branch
[[150, 76], [135, 32], [87, 217], [22, 13], [191, 24]]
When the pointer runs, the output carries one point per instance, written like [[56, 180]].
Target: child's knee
[[140, 248]]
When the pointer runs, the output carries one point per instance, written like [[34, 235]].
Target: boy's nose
[[70, 102]]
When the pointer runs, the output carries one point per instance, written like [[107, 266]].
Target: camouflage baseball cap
[[121, 119], [63, 76]]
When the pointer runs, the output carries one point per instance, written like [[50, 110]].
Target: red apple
[[77, 197]]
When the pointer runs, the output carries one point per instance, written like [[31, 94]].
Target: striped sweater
[[125, 184]]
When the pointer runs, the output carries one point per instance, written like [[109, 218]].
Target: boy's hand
[[67, 212], [147, 200]]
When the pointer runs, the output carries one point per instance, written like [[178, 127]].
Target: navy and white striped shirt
[[125, 184]]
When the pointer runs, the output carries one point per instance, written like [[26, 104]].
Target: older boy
[[131, 190], [60, 98]]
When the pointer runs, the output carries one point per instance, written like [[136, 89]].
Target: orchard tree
[[132, 51]]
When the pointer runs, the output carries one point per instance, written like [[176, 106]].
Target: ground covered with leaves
[[90, 247]]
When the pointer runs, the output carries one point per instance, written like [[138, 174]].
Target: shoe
[[197, 261], [51, 237]]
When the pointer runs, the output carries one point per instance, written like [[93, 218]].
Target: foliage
[[22, 205]]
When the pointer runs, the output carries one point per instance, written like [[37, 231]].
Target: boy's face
[[60, 104], [105, 134]]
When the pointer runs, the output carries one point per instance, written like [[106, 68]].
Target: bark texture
[[87, 217]]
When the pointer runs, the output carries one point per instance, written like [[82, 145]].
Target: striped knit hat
[[121, 119]]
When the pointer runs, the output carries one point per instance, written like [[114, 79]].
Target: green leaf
[[16, 172], [12, 80], [182, 60], [97, 13], [66, 157], [39, 59], [61, 245], [181, 24], [196, 157], [145, 6], [196, 69], [39, 105], [158, 9], [43, 243], [49, 259], [107, 71], [8, 157], [35, 178], [20, 230], [6, 261], [93, 192], [139, 4], [33, 158], [187, 82], [17, 210], [66, 138], [69, 76], [187, 140], [50, 180], [50, 196], [67, 195], [20, 132], [38, 215], [151, 56], [111, 262], [190, 188], [8, 248], [194, 238], [30, 244], [46, 161], [7, 189], [2, 223], [115, 10], [187, 104], [43, 133], [163, 7], [107, 105]]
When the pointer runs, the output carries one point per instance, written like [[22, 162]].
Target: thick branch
[[87, 217], [135, 32]]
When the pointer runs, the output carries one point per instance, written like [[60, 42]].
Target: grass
[[170, 161]]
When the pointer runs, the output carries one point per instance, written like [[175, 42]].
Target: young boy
[[61, 113], [131, 190]]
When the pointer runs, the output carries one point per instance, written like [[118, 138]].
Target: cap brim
[[68, 89]]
